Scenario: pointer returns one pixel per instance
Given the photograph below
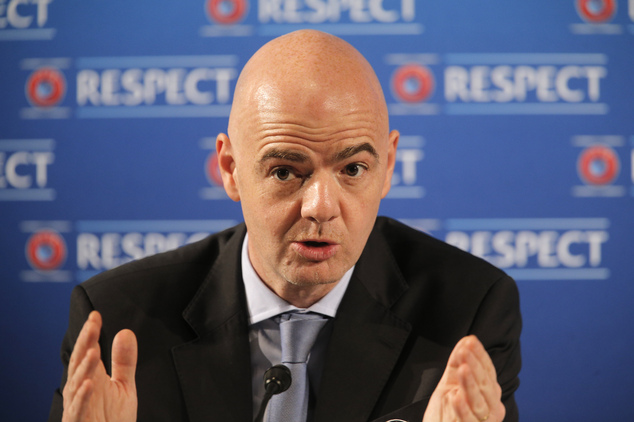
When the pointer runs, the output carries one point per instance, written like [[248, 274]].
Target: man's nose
[[320, 201]]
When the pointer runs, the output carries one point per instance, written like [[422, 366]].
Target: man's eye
[[282, 174], [354, 170]]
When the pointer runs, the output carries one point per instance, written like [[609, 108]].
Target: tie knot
[[298, 333]]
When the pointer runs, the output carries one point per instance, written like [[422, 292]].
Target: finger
[[88, 337], [474, 396], [77, 409], [84, 371], [124, 357], [485, 377], [456, 358], [448, 412], [484, 372], [460, 408], [480, 353]]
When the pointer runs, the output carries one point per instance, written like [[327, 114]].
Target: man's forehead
[[294, 153]]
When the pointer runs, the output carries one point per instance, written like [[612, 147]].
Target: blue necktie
[[298, 333]]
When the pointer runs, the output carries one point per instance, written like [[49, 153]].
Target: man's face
[[310, 174]]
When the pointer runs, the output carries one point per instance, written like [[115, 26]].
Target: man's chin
[[311, 281], [307, 277]]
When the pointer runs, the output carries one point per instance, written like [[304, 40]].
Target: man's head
[[309, 154]]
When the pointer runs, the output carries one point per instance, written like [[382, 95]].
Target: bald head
[[314, 73]]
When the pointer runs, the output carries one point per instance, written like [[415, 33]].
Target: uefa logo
[[596, 11], [226, 12], [45, 87], [212, 171], [412, 83], [598, 165], [46, 250]]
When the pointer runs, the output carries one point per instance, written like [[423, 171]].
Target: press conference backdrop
[[517, 143]]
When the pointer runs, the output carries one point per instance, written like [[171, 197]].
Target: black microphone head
[[277, 379]]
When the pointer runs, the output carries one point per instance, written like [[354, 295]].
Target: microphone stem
[[270, 391]]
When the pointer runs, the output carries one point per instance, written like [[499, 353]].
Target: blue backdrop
[[517, 123]]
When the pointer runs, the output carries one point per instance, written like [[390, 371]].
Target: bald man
[[416, 329]]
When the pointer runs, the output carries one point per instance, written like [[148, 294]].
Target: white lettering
[[108, 250], [131, 244], [408, 10], [545, 84], [409, 158], [456, 81], [561, 83], [525, 80], [42, 160], [594, 73], [596, 239], [545, 257], [191, 86], [174, 94], [88, 246], [526, 244], [109, 86], [154, 83], [3, 180], [18, 14], [319, 11], [545, 249], [501, 77], [504, 83], [17, 20], [13, 177], [133, 87], [42, 11], [503, 244], [223, 79], [131, 82], [14, 169], [479, 83], [563, 249], [88, 87]]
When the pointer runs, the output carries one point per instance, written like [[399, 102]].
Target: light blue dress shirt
[[264, 332]]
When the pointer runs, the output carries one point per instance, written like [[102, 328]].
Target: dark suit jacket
[[410, 299]]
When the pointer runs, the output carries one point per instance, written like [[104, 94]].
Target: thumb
[[124, 357]]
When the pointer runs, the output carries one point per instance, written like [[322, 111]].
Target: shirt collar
[[263, 304]]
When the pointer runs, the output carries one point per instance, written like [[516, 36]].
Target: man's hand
[[90, 394], [468, 390]]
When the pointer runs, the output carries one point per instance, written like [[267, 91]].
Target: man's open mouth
[[313, 250], [314, 244]]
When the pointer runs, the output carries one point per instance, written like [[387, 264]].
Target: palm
[[90, 394], [468, 389]]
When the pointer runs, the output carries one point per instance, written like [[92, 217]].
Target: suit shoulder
[[415, 251]]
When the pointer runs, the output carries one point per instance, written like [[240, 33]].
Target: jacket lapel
[[367, 338], [215, 368]]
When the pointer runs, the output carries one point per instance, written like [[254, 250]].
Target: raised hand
[[90, 394], [468, 390]]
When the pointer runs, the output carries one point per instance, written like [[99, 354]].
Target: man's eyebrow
[[284, 154], [355, 149]]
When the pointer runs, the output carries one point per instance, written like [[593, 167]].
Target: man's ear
[[391, 160], [227, 166]]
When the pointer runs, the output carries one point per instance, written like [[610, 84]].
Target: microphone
[[277, 379]]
